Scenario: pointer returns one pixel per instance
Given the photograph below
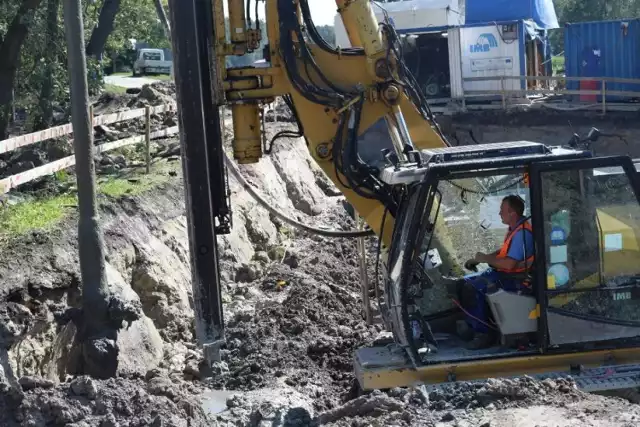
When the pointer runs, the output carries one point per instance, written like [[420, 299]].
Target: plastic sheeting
[[542, 12]]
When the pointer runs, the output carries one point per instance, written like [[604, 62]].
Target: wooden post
[[147, 137], [604, 97]]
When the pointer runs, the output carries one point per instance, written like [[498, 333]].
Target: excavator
[[431, 203]]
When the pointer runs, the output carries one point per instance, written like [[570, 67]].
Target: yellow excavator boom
[[369, 77]]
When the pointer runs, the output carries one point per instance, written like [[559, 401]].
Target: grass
[[557, 64], [34, 215], [118, 90], [46, 213], [162, 77]]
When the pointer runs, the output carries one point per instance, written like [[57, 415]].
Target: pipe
[[328, 233]]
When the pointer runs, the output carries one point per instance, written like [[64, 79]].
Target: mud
[[305, 327], [293, 313], [87, 402]]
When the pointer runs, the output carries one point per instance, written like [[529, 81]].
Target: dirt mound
[[54, 149], [86, 402], [305, 329], [151, 94]]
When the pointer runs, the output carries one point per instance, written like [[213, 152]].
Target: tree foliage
[[40, 85]]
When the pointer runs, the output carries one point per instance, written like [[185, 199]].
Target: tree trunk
[[104, 28], [46, 93], [10, 48], [96, 337], [162, 16]]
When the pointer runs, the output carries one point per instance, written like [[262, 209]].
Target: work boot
[[480, 341]]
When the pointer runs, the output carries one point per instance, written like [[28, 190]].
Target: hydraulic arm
[[349, 103], [359, 110]]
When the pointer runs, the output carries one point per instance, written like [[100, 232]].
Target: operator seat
[[511, 309]]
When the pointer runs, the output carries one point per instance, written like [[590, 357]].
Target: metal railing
[[12, 144], [505, 93]]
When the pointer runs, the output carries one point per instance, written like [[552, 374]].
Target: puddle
[[215, 401]]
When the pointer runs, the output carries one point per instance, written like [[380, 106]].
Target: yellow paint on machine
[[385, 378]]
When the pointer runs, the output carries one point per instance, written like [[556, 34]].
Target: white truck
[[153, 61]]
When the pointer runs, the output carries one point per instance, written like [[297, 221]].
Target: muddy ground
[[293, 315]]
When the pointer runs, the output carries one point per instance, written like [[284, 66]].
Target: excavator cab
[[577, 306]]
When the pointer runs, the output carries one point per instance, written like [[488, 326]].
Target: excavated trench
[[293, 318]]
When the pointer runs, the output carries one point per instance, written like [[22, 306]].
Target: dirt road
[[128, 81]]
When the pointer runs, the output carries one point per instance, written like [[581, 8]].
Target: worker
[[506, 268]]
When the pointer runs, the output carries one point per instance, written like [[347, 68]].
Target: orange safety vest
[[504, 250]]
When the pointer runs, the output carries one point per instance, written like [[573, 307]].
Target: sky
[[323, 11]]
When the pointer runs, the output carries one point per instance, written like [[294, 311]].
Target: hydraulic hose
[[328, 233]]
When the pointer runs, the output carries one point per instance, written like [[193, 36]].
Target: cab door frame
[[537, 220]]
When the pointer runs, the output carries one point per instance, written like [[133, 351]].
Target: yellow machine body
[[247, 87]]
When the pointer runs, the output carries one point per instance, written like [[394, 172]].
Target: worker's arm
[[506, 263], [516, 256]]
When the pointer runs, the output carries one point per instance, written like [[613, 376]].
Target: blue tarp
[[542, 12]]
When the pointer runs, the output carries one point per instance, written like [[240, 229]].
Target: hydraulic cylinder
[[247, 141]]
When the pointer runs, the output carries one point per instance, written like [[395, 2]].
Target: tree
[[103, 28], [162, 16], [46, 93], [102, 314], [10, 49]]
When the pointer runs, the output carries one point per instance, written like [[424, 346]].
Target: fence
[[506, 93], [12, 144]]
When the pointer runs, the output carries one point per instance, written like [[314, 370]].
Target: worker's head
[[511, 209]]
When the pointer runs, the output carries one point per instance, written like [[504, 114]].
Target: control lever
[[391, 158]]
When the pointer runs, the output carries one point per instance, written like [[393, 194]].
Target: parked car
[[152, 61]]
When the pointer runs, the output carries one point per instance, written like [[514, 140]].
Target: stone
[[30, 383]]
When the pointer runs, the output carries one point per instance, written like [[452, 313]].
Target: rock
[[292, 259], [109, 421], [106, 160], [448, 417], [149, 93], [59, 148], [161, 277], [261, 256], [30, 155], [161, 386], [246, 273], [30, 383], [84, 386], [192, 369], [141, 348], [120, 160], [15, 321], [296, 171], [19, 166]]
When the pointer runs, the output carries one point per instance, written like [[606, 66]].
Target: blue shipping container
[[603, 49]]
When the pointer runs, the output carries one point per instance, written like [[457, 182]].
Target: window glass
[[591, 226], [468, 222]]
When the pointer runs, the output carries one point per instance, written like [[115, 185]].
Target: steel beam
[[201, 144]]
